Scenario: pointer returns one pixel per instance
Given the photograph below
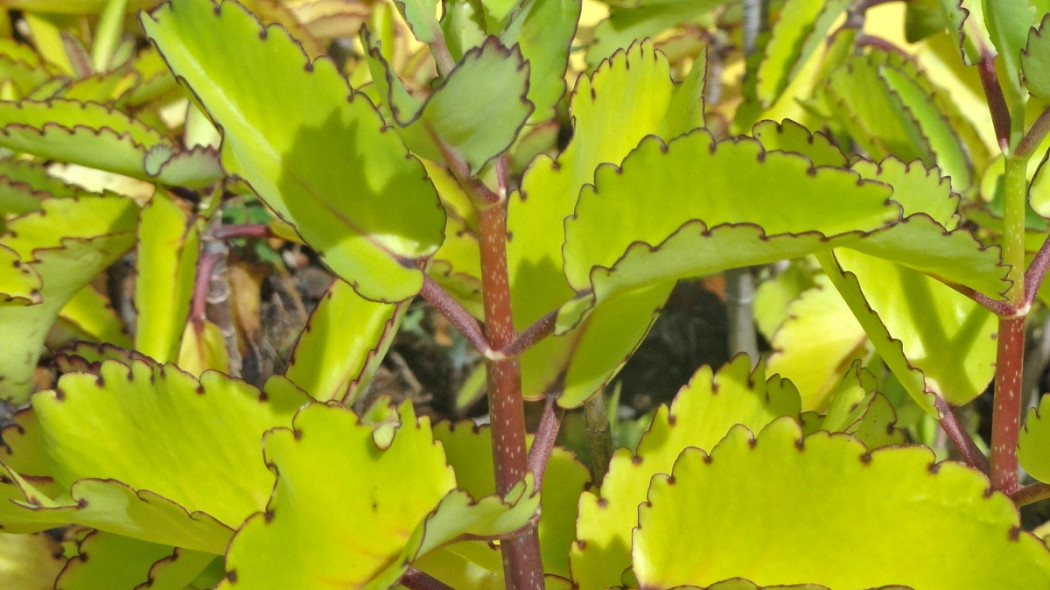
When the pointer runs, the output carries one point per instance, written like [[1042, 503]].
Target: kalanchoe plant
[[883, 166]]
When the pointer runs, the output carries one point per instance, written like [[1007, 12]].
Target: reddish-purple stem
[[543, 442], [880, 43], [417, 580], [993, 93], [522, 564], [200, 286], [1033, 277], [959, 437], [543, 328], [1035, 135], [246, 230], [1006, 415], [1031, 494], [462, 319]]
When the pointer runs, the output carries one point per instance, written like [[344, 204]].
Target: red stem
[[456, 314], [1031, 494], [199, 304], [1036, 133], [417, 580], [959, 437], [993, 93], [1006, 416], [522, 564], [543, 442]]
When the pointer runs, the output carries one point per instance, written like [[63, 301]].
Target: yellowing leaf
[[927, 525], [315, 152]]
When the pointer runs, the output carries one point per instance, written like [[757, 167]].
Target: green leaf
[[123, 563], [928, 525], [331, 171], [91, 314], [344, 341], [550, 189], [1035, 61], [799, 29], [169, 424], [890, 107], [202, 347], [789, 136], [543, 31], [29, 562], [943, 334], [477, 111], [732, 174], [93, 135], [818, 340], [1008, 23], [1034, 442], [169, 243], [967, 24], [381, 507], [421, 16], [739, 222], [469, 451], [66, 244], [856, 408], [702, 412], [628, 24]]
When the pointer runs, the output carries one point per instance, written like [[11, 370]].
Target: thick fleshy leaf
[[790, 136], [856, 408], [469, 451], [93, 135], [816, 343], [421, 16], [655, 180], [123, 563], [543, 30], [169, 424], [1035, 61], [167, 266], [550, 189], [699, 525], [24, 183], [92, 318], [21, 284], [629, 23], [331, 170], [344, 341], [379, 508], [65, 244], [700, 416], [1035, 441], [202, 347], [29, 562], [478, 110], [1008, 23], [743, 223], [800, 28], [891, 108], [966, 23], [940, 332]]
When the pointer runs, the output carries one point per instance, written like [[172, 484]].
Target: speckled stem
[[1006, 416], [522, 565]]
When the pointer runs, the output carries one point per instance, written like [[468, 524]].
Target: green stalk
[[1009, 363]]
